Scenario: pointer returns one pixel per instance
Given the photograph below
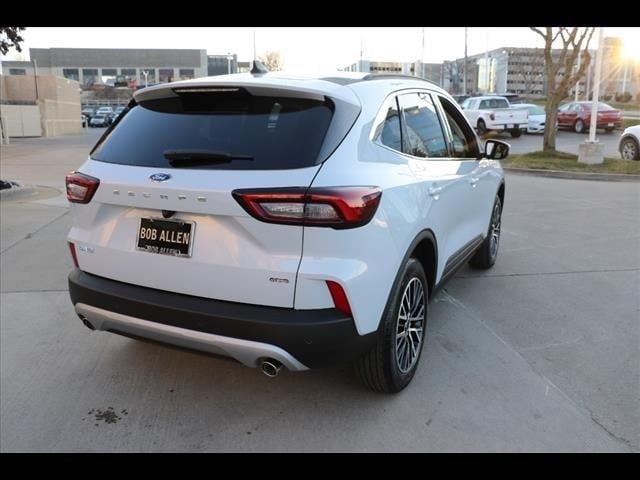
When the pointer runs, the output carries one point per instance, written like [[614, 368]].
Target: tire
[[391, 364], [629, 149], [482, 127], [578, 127], [608, 130], [487, 254], [515, 133]]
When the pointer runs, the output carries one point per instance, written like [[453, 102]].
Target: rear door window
[[423, 134], [256, 132]]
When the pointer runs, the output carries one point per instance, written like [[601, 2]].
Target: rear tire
[[391, 364], [515, 133], [487, 254], [482, 127], [579, 126], [608, 130], [630, 150]]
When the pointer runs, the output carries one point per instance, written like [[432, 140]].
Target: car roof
[[334, 84]]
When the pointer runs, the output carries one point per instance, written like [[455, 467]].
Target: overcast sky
[[303, 49]]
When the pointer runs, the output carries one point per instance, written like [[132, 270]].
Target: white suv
[[283, 221]]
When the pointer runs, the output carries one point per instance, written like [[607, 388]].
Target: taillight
[[335, 207], [74, 255], [81, 187], [339, 297]]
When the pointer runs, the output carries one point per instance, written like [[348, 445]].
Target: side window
[[484, 105], [388, 132], [564, 107], [465, 104], [465, 143], [423, 134]]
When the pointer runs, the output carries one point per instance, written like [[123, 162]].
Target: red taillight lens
[[336, 207], [81, 187], [74, 255], [339, 297]]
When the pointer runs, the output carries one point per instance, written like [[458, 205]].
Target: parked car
[[116, 113], [107, 112], [492, 112], [99, 121], [88, 112], [577, 116], [629, 143], [254, 228], [537, 118]]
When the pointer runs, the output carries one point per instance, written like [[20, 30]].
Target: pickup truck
[[495, 113]]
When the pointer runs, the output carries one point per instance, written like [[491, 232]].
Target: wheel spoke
[[410, 324]]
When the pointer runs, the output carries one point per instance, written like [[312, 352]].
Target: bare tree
[[574, 42], [272, 60]]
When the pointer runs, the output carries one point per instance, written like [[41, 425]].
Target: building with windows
[[222, 64], [428, 71], [100, 66], [503, 70]]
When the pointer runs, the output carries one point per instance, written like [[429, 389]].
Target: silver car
[[629, 144]]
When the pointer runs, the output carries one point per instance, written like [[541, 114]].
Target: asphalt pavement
[[541, 353]]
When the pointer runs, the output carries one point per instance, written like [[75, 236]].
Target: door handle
[[473, 181], [435, 191]]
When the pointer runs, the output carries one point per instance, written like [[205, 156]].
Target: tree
[[559, 71], [10, 37], [272, 60]]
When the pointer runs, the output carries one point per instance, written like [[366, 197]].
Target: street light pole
[[464, 71], [596, 87]]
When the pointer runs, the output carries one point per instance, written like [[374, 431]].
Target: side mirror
[[496, 149]]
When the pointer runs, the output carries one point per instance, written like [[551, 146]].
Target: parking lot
[[541, 353]]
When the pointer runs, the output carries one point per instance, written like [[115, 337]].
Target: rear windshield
[[267, 133]]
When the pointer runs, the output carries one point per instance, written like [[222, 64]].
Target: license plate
[[166, 237], [610, 125], [509, 126]]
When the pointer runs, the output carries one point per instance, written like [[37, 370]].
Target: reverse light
[[74, 255], [335, 207], [80, 187], [339, 297]]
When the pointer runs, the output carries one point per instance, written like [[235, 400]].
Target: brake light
[[74, 255], [335, 207], [81, 187], [339, 297]]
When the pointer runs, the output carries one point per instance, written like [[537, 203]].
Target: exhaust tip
[[271, 367], [86, 322]]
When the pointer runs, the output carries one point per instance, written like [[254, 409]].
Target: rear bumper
[[300, 339]]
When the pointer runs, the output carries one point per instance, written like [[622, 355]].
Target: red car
[[577, 116]]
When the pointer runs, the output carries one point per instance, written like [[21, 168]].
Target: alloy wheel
[[410, 325]]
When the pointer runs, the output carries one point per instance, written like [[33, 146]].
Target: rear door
[[178, 160]]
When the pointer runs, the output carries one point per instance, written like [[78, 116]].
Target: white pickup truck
[[495, 113]]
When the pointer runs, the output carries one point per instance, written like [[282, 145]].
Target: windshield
[[535, 110], [276, 132]]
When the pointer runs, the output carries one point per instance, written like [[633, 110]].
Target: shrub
[[623, 97], [607, 97]]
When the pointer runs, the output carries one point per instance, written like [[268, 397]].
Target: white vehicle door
[[482, 178], [445, 179], [470, 107]]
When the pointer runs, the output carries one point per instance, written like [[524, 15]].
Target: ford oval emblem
[[160, 177]]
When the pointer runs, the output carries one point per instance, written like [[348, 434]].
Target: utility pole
[[35, 77], [486, 65], [596, 87], [421, 58], [592, 151], [624, 76], [464, 71], [255, 57], [577, 67]]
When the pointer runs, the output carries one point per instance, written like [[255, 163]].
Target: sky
[[305, 49]]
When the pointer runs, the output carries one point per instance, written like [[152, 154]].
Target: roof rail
[[384, 76]]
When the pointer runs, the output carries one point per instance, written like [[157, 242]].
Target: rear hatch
[[180, 153]]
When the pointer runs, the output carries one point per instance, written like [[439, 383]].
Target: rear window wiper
[[178, 158]]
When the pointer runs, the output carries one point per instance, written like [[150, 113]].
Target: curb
[[606, 177]]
